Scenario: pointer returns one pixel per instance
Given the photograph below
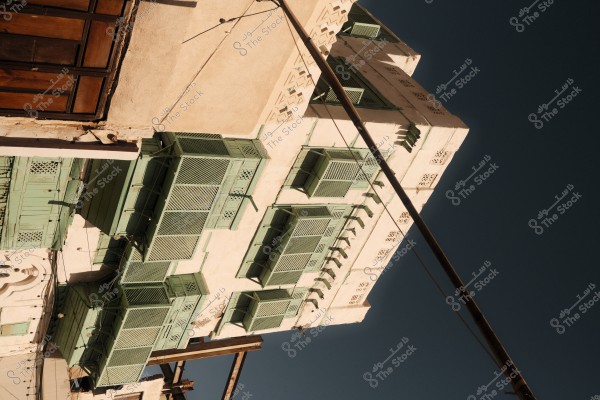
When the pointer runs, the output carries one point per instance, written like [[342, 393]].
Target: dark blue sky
[[537, 275]]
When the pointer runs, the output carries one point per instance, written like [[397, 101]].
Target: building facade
[[214, 187]]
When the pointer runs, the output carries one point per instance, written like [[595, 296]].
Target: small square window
[[19, 328]]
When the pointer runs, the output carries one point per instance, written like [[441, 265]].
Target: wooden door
[[58, 57]]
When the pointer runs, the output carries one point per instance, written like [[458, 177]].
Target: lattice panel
[[337, 214], [182, 223], [297, 299], [426, 181], [202, 171], [342, 171], [340, 154], [146, 295], [295, 262], [334, 173], [436, 110], [404, 218], [173, 248], [420, 96], [265, 323], [121, 375], [44, 167], [329, 231], [192, 197], [30, 237], [145, 317], [129, 338], [440, 157], [250, 151], [191, 288], [393, 236], [246, 174], [368, 30], [310, 227], [369, 168], [129, 356], [355, 94], [302, 244], [202, 146], [271, 308], [332, 189], [285, 278], [146, 272], [313, 212]]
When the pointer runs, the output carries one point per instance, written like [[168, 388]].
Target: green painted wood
[[207, 187], [118, 191], [368, 26], [15, 329], [291, 241], [109, 250], [358, 88], [263, 242], [37, 210], [100, 197]]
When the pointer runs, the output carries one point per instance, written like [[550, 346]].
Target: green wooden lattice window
[[359, 90], [361, 24]]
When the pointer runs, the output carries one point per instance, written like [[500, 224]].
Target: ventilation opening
[[44, 167]]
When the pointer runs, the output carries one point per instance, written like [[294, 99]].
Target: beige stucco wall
[[22, 296], [220, 252], [79, 251], [17, 376], [151, 389], [264, 94], [208, 84], [28, 137]]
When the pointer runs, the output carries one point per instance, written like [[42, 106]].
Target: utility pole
[[198, 350], [175, 386], [503, 360]]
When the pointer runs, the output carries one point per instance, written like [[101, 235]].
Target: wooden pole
[[501, 356], [234, 375], [214, 348]]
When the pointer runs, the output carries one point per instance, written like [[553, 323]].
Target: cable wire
[[420, 260]]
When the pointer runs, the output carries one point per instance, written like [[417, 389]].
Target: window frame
[[26, 324], [355, 76], [367, 18]]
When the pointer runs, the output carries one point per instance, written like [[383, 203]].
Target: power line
[[503, 359], [417, 255], [224, 21]]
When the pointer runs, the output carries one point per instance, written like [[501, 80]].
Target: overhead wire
[[223, 21], [57, 229], [417, 255]]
